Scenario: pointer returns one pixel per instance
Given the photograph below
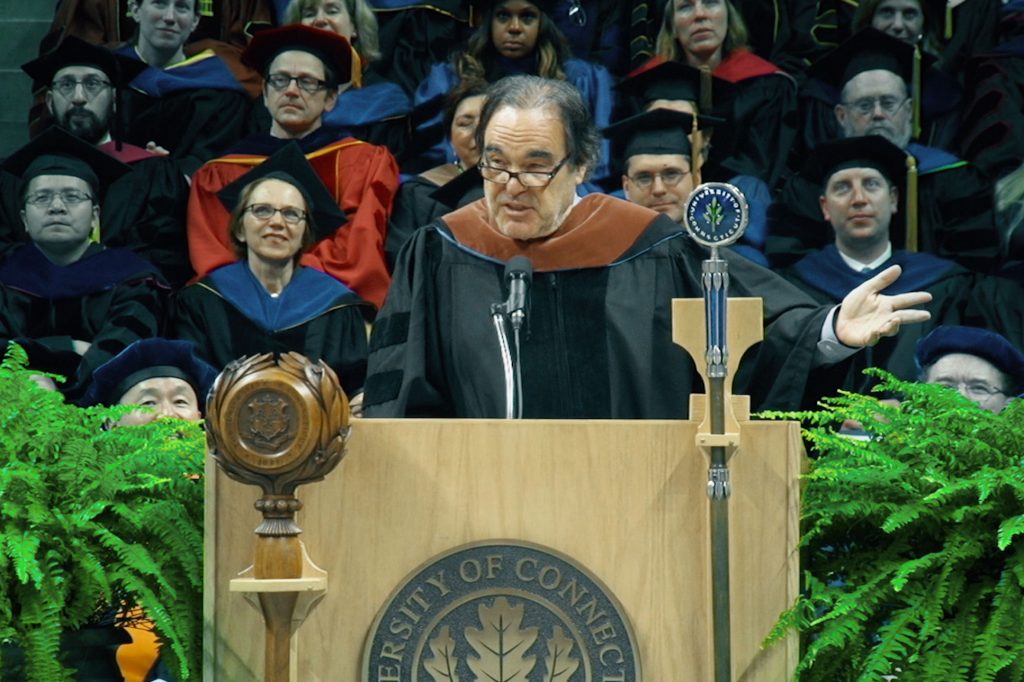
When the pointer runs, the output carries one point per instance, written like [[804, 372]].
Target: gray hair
[[582, 142]]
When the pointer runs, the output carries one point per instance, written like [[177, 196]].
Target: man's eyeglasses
[[866, 105], [975, 390], [670, 178], [70, 197], [280, 81], [531, 179], [91, 85], [290, 214]]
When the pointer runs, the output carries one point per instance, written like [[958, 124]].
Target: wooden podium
[[625, 499]]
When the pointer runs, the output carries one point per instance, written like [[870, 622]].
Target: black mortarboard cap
[[982, 343], [58, 152], [148, 359], [867, 50], [290, 165], [659, 131], [871, 151], [329, 47], [73, 51], [664, 79]]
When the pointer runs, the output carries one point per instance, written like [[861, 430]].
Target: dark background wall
[[22, 25]]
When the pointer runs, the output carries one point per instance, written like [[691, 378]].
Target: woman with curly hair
[[514, 37], [711, 34]]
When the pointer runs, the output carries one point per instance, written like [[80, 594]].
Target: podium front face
[[623, 501]]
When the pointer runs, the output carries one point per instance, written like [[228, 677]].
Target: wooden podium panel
[[626, 499]]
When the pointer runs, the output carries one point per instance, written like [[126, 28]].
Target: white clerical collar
[[857, 266]]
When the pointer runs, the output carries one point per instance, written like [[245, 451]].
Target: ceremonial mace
[[716, 215], [278, 424]]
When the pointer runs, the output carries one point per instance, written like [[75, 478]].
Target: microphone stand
[[511, 367]]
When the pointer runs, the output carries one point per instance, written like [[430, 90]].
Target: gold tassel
[[911, 203], [915, 94], [705, 88], [696, 151], [948, 30], [356, 75]]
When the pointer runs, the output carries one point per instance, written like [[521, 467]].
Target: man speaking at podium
[[597, 341]]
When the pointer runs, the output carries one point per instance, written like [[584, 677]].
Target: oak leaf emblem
[[501, 644], [442, 666], [559, 661]]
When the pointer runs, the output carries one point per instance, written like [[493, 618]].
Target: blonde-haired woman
[[711, 34]]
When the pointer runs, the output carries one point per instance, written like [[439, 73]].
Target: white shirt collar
[[857, 266]]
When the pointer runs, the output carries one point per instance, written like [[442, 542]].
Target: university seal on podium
[[716, 214], [501, 610]]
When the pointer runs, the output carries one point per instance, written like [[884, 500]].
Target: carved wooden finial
[[277, 424]]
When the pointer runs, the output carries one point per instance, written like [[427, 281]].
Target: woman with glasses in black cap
[[266, 302]]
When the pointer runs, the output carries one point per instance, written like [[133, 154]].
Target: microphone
[[518, 274]]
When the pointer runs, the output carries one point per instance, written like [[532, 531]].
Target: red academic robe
[[362, 177]]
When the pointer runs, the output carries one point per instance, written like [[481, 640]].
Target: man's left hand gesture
[[866, 314]]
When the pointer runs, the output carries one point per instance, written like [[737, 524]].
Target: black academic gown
[[959, 297], [228, 314], [195, 110], [108, 298], [12, 230], [423, 198], [146, 210], [597, 342]]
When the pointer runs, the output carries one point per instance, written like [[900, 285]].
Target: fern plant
[[94, 521], [913, 540]]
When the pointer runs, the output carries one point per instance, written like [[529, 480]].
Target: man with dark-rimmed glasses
[[597, 341]]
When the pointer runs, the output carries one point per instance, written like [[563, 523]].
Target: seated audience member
[[948, 34], [514, 37], [954, 207], [982, 365], [860, 188], [145, 209], [434, 192], [302, 68], [164, 374], [193, 108], [81, 82], [267, 302], [224, 27], [597, 342], [167, 377], [72, 303], [711, 34], [372, 108], [933, 102], [666, 91], [778, 32]]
